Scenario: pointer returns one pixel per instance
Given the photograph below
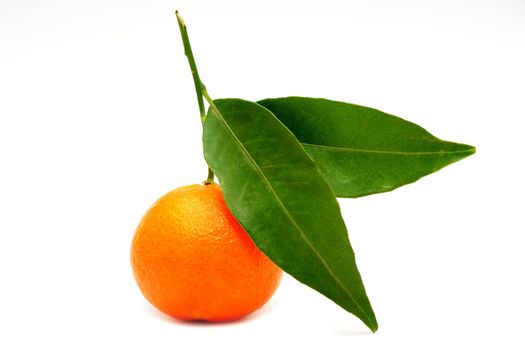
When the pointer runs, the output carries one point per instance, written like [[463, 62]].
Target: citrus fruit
[[193, 261]]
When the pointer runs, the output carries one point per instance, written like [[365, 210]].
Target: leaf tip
[[368, 317], [371, 323], [464, 150], [468, 150]]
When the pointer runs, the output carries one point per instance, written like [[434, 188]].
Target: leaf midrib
[[290, 217], [359, 150]]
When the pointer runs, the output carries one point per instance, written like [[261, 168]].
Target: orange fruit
[[193, 261]]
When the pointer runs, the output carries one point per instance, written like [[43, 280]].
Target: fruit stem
[[211, 175], [196, 79]]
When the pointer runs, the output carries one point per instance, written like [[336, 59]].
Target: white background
[[98, 119]]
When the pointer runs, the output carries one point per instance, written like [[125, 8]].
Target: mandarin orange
[[193, 261]]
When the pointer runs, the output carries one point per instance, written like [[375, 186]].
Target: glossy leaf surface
[[361, 150], [276, 192]]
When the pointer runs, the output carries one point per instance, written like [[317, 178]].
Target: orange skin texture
[[193, 261]]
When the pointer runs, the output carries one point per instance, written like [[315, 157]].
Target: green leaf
[[360, 150], [278, 195]]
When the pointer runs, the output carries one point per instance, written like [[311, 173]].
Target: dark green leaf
[[278, 195], [360, 150]]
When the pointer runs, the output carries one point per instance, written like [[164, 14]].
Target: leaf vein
[[358, 150]]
